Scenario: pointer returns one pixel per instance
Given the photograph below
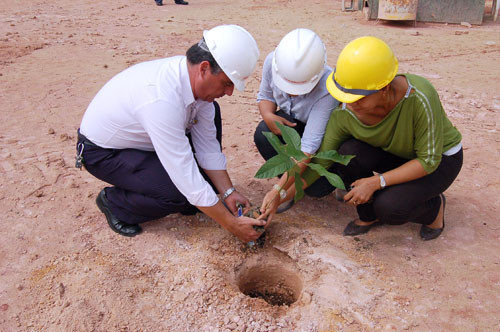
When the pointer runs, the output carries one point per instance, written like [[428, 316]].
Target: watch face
[[382, 182]]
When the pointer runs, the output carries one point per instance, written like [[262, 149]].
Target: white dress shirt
[[313, 108], [150, 106]]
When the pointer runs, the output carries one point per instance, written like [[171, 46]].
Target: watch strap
[[228, 192]]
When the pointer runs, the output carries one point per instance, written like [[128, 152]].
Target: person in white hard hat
[[154, 133], [293, 92]]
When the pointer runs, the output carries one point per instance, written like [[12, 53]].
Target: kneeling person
[[143, 129], [293, 91]]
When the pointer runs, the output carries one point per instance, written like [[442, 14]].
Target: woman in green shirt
[[407, 150]]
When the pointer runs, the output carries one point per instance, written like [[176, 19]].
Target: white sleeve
[[164, 123], [204, 136]]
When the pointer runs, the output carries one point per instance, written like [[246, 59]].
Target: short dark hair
[[198, 53]]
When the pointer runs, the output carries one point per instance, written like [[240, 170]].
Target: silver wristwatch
[[382, 181], [227, 193]]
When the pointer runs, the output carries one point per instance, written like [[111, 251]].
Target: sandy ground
[[63, 269]]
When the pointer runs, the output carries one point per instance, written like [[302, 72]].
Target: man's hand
[[270, 119], [239, 226], [242, 227], [234, 199]]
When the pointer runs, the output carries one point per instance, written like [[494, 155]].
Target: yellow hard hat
[[364, 66]]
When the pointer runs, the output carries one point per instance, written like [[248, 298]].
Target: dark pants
[[265, 148], [142, 190], [416, 201]]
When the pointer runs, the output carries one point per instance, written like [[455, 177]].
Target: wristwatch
[[382, 181], [280, 190], [228, 192]]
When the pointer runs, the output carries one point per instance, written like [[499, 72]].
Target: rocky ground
[[63, 269]]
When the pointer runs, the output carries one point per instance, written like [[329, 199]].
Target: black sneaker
[[159, 2], [116, 225]]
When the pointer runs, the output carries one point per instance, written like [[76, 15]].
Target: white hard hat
[[298, 62], [235, 51]]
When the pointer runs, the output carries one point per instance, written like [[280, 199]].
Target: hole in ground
[[271, 277]]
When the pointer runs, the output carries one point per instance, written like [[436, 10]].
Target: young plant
[[290, 156]]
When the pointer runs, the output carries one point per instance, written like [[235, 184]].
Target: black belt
[[82, 142], [85, 140]]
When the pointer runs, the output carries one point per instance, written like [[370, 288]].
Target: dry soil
[[63, 269]]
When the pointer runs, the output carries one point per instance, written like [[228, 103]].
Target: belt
[[82, 142], [85, 140]]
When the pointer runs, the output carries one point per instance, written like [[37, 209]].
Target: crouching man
[[154, 133]]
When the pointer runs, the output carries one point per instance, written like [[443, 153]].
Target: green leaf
[[299, 192], [290, 135], [275, 166], [335, 156], [275, 141], [334, 179], [293, 152]]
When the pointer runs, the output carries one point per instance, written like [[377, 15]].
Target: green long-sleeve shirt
[[417, 128]]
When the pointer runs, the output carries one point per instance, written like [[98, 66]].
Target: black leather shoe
[[159, 2], [181, 2], [427, 233], [116, 225], [353, 229]]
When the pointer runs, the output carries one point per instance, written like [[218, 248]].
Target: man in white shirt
[[154, 132]]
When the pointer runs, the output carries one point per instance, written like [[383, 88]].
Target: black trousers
[[142, 190], [416, 201], [265, 148]]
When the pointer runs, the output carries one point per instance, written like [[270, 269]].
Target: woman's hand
[[269, 206], [362, 190]]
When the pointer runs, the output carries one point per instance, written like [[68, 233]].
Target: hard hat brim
[[293, 88], [239, 85], [338, 94]]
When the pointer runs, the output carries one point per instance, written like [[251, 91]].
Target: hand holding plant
[[270, 204], [288, 159]]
